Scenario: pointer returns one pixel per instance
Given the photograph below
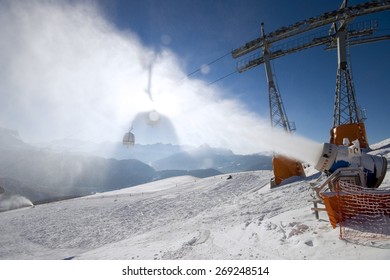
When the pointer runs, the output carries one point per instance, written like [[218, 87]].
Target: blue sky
[[202, 31], [87, 70]]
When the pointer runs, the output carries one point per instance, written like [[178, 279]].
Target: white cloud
[[67, 72]]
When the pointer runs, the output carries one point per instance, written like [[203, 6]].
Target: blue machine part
[[334, 157]]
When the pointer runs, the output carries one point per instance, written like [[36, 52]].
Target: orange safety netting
[[358, 208]]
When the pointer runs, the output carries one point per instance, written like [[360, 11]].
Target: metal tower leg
[[345, 108], [347, 120]]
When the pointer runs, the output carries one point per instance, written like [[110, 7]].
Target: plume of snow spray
[[14, 202], [93, 80], [293, 145]]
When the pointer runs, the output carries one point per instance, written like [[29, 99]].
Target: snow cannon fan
[[349, 157]]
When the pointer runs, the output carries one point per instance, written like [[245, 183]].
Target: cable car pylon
[[283, 167], [347, 118]]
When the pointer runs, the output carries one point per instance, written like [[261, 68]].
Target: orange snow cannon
[[351, 131], [285, 168]]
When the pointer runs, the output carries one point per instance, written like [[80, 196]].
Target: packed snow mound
[[220, 217]]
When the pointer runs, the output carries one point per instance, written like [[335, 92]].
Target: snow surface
[[186, 218]]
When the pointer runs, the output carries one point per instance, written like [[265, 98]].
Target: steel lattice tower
[[278, 114], [346, 110]]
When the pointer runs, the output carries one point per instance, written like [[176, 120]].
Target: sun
[[154, 117]]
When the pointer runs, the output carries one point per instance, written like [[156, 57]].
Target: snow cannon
[[285, 168], [334, 157]]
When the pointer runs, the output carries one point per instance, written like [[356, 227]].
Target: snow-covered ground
[[186, 218]]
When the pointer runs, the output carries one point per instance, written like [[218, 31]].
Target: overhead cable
[[212, 62]]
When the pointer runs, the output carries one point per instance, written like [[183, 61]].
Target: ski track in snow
[[89, 222], [183, 218]]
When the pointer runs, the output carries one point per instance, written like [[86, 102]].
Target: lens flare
[[154, 117]]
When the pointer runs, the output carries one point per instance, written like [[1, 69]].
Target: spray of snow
[[294, 146], [78, 75], [14, 202]]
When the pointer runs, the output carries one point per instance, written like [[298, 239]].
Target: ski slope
[[186, 218]]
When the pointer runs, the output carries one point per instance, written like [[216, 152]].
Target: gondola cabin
[[128, 139]]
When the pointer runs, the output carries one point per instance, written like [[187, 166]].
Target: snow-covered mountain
[[167, 156], [205, 156], [187, 218], [146, 153]]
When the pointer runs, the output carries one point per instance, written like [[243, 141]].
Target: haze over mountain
[[46, 175], [64, 169]]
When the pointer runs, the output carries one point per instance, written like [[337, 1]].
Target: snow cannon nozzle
[[334, 157]]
